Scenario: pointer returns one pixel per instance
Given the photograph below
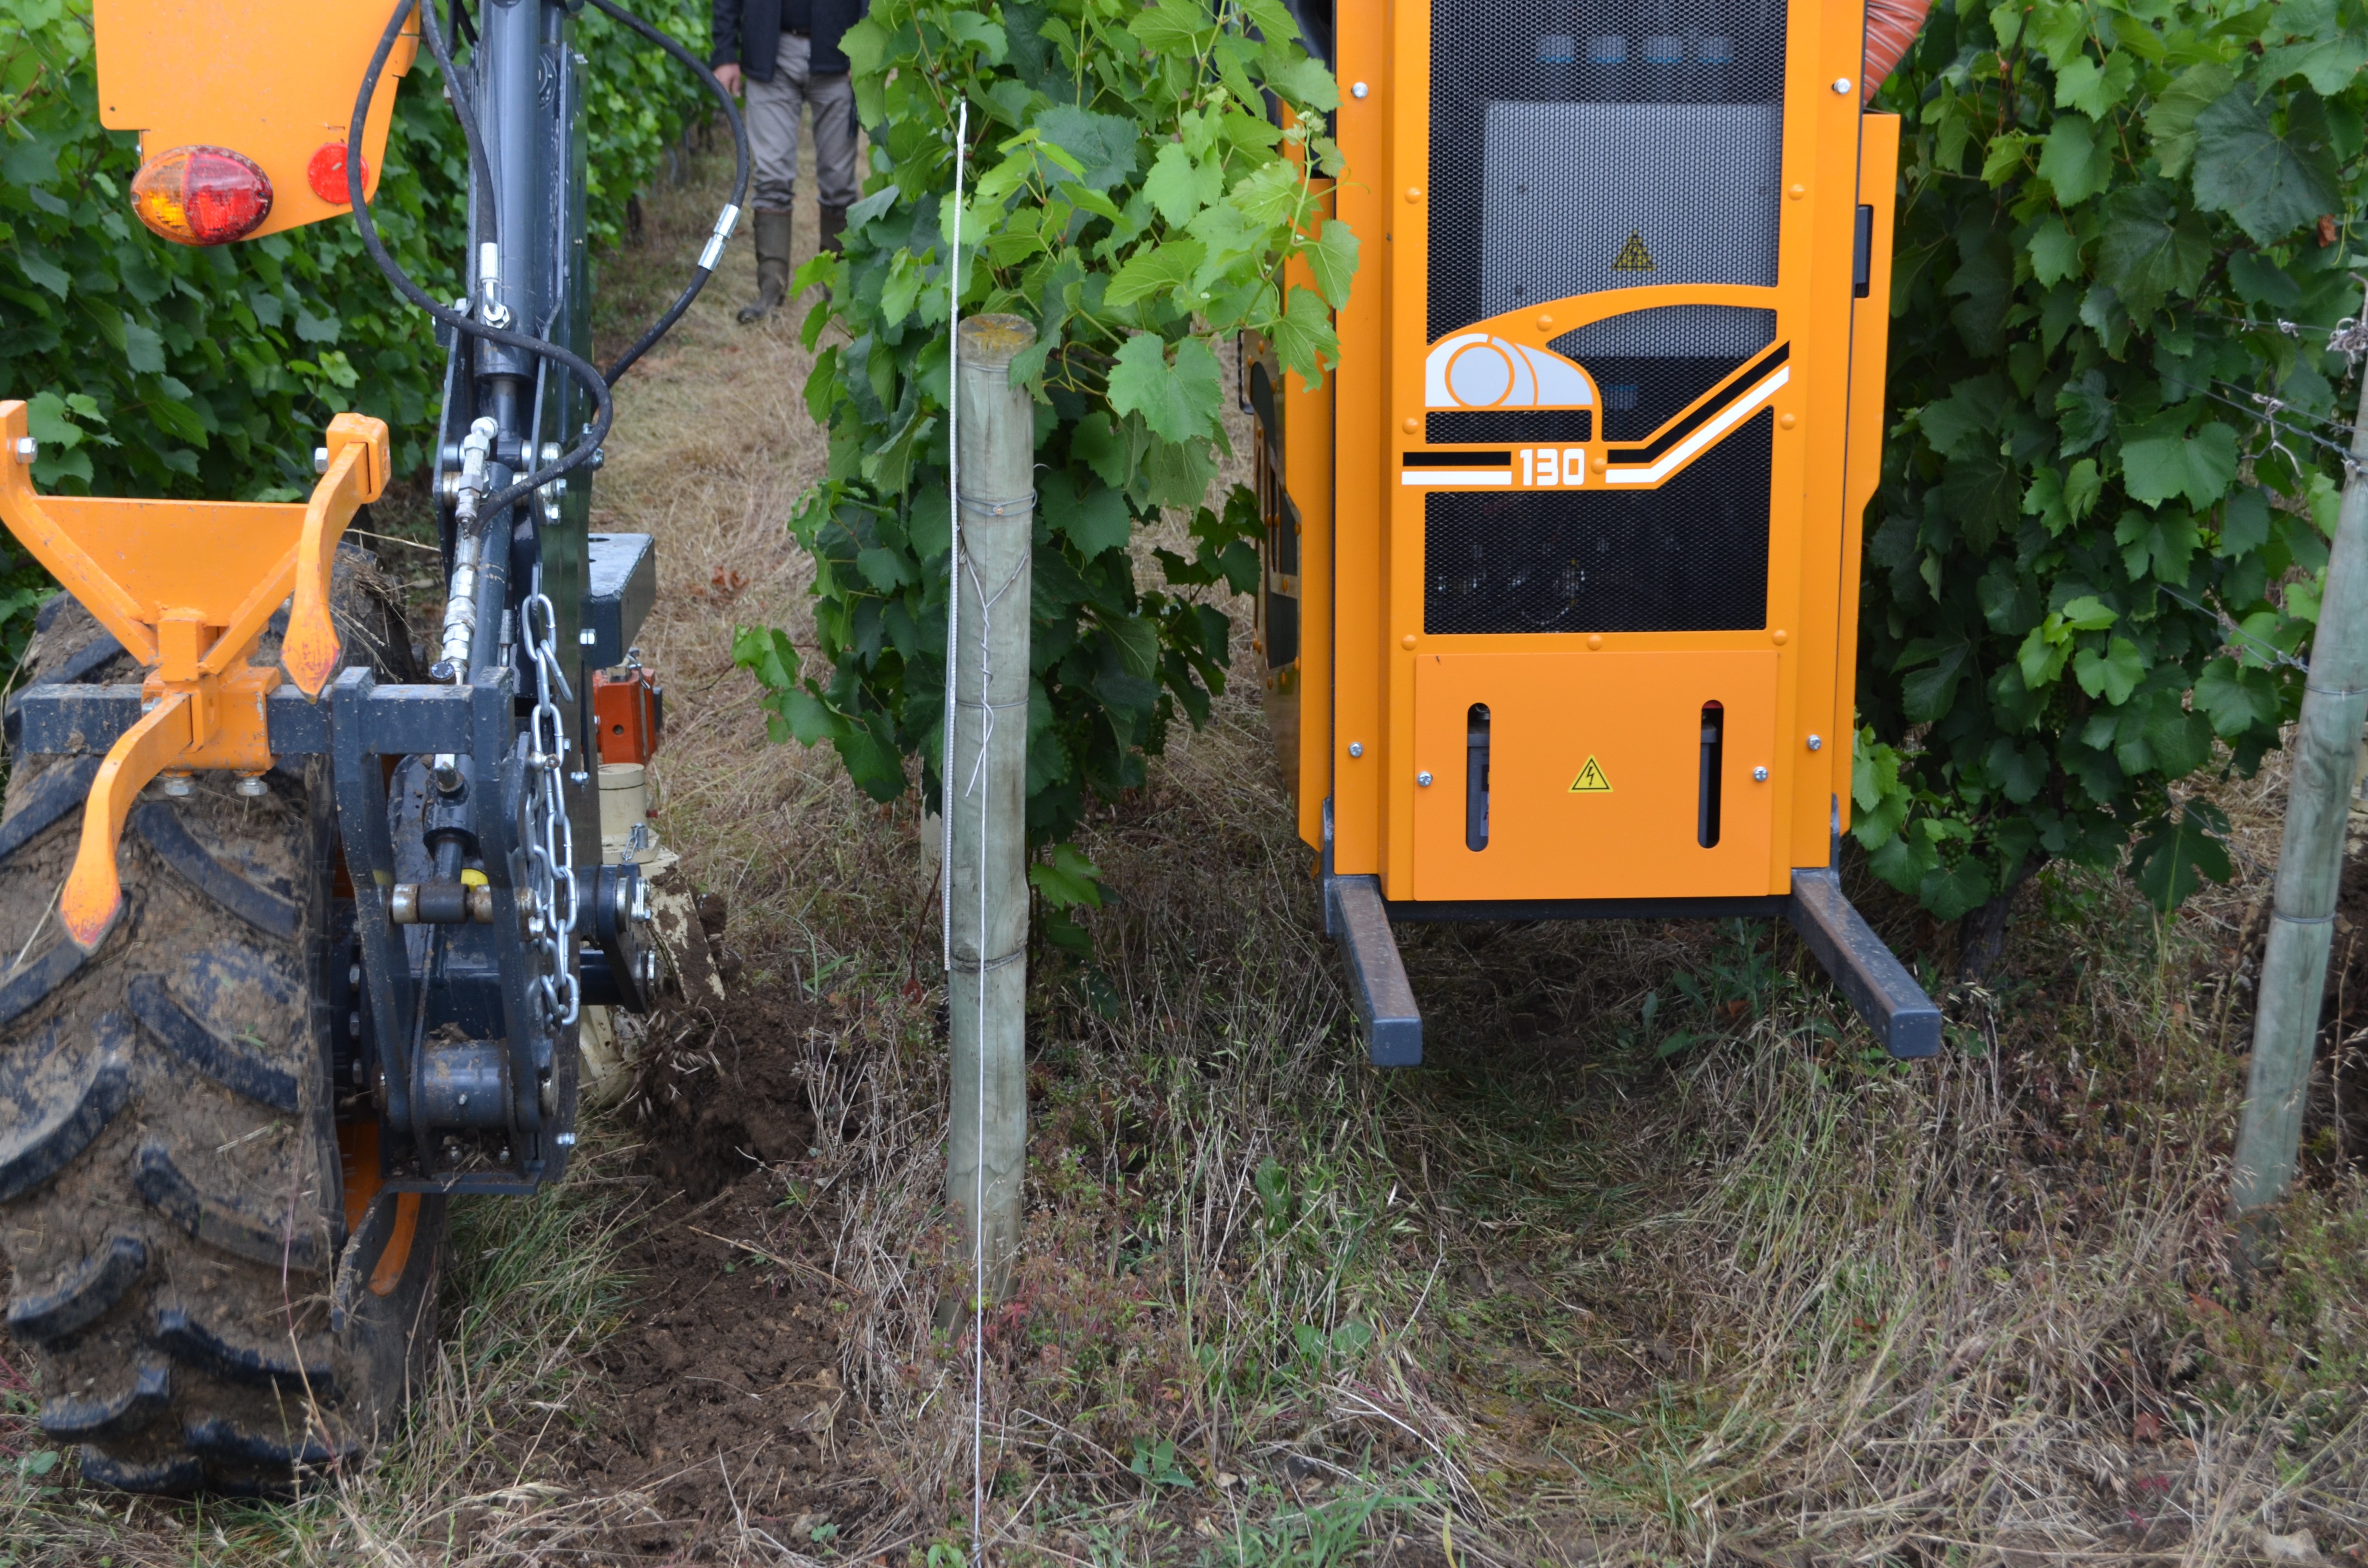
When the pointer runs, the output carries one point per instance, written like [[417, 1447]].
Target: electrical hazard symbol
[[1632, 257], [1591, 781]]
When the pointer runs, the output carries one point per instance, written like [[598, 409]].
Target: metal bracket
[[1355, 916], [1876, 982]]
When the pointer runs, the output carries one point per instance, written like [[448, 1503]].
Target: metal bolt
[[1356, 748], [1816, 743], [600, 456], [320, 460], [1760, 776], [354, 977], [1423, 778], [586, 636], [252, 786], [564, 1140], [27, 448], [1841, 85], [549, 453], [1359, 91], [640, 908], [180, 786]]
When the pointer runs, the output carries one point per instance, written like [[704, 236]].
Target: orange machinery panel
[[1586, 777], [271, 80], [1607, 416]]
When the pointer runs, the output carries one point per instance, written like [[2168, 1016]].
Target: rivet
[[1786, 420], [1595, 639], [1407, 640], [1423, 778], [1797, 192], [1760, 776], [1358, 90], [1414, 193], [1545, 324], [1410, 425], [1356, 748]]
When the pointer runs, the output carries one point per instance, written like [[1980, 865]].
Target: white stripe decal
[[1418, 477], [1683, 452]]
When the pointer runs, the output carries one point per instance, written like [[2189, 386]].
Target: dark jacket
[[748, 34]]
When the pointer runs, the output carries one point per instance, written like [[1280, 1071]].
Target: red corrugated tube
[[1891, 28]]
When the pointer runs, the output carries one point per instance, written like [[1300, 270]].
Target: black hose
[[706, 268], [465, 109], [604, 412]]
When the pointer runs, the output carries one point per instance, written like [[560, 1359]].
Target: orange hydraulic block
[[186, 587]]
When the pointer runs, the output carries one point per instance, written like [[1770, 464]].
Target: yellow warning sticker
[[1633, 256], [1591, 781]]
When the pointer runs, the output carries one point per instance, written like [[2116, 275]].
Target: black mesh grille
[[1648, 365], [1510, 424], [1561, 129], [1691, 556]]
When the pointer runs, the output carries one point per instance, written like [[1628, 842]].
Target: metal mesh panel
[[1510, 424], [1561, 128], [1691, 556], [1648, 365]]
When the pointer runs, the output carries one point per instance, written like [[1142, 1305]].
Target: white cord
[[953, 552]]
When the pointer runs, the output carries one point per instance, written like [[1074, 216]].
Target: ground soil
[[723, 1403]]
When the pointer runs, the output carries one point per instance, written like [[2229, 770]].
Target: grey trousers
[[773, 116]]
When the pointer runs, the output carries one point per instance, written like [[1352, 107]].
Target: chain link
[[550, 837]]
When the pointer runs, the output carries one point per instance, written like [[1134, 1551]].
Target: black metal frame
[[443, 1039], [1870, 977]]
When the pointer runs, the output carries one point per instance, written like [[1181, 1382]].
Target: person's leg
[[834, 111], [771, 114]]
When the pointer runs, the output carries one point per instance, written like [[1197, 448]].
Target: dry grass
[[1655, 1261]]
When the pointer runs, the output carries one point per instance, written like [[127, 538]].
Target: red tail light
[[326, 173], [201, 196]]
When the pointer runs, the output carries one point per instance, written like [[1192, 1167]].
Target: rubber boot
[[834, 224], [772, 265]]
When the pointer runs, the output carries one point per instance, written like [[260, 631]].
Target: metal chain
[[550, 838]]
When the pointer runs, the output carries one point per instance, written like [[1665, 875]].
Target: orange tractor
[[307, 918]]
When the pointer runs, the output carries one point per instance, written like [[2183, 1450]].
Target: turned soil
[[722, 1404]]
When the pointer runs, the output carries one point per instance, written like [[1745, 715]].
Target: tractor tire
[[216, 1296]]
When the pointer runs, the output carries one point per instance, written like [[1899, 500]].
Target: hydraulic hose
[[604, 409], [465, 109], [723, 222]]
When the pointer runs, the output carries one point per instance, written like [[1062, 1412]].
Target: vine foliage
[[2124, 236], [1130, 192]]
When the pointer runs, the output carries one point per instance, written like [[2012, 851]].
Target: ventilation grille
[[1509, 424], [1691, 556], [1560, 129], [1648, 365]]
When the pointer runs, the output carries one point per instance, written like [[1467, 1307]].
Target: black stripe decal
[[1459, 459], [1685, 427]]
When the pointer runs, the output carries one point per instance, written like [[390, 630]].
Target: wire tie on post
[[971, 966], [1011, 508]]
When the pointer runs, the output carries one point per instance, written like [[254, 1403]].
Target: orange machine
[[1562, 565]]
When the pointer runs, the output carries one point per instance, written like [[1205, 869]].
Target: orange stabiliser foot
[[93, 895]]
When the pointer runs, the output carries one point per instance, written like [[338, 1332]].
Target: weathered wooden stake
[[2325, 750], [988, 793]]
